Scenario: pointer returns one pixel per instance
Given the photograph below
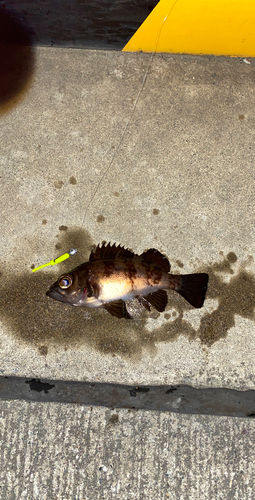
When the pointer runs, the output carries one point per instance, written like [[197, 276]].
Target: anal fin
[[117, 308], [158, 300]]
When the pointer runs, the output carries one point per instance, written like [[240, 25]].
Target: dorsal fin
[[109, 252], [157, 259]]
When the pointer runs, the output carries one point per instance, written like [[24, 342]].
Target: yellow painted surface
[[219, 27]]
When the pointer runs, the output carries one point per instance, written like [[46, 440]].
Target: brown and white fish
[[115, 274]]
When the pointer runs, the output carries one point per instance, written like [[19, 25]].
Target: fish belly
[[115, 289]]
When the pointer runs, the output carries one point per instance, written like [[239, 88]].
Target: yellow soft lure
[[58, 260]]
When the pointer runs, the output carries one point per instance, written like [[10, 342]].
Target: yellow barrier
[[219, 27]]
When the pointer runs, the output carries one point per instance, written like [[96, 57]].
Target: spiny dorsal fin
[[110, 252], [158, 300], [157, 259], [117, 308]]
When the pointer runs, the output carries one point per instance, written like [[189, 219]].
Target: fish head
[[71, 288]]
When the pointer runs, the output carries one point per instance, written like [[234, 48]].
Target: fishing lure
[[63, 257]]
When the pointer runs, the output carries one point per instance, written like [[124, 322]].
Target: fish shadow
[[35, 320]]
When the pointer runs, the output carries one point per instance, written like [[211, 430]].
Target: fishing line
[[130, 118], [73, 251], [119, 143]]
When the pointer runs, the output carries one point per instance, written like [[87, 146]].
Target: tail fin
[[193, 288]]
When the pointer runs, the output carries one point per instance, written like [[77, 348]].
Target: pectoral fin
[[117, 308]]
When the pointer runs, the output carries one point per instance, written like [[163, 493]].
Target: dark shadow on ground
[[94, 24], [34, 319], [16, 59], [177, 399]]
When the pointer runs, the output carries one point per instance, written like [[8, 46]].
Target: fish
[[115, 274]]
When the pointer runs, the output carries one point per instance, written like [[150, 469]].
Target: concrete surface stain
[[231, 257], [100, 218], [116, 193], [179, 263], [72, 180], [155, 211], [58, 184], [36, 385], [114, 419], [44, 221], [133, 392], [35, 320], [172, 389], [241, 117], [43, 350], [63, 228]]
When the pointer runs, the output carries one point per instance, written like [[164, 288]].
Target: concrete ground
[[145, 151], [54, 451]]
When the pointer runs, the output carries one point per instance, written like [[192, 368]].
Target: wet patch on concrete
[[231, 257], [43, 350], [58, 184], [72, 180], [36, 385], [100, 218], [36, 320], [179, 263], [236, 297], [114, 419]]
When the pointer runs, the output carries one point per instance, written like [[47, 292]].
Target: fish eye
[[65, 281]]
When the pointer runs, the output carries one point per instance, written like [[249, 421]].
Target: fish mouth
[[54, 294]]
